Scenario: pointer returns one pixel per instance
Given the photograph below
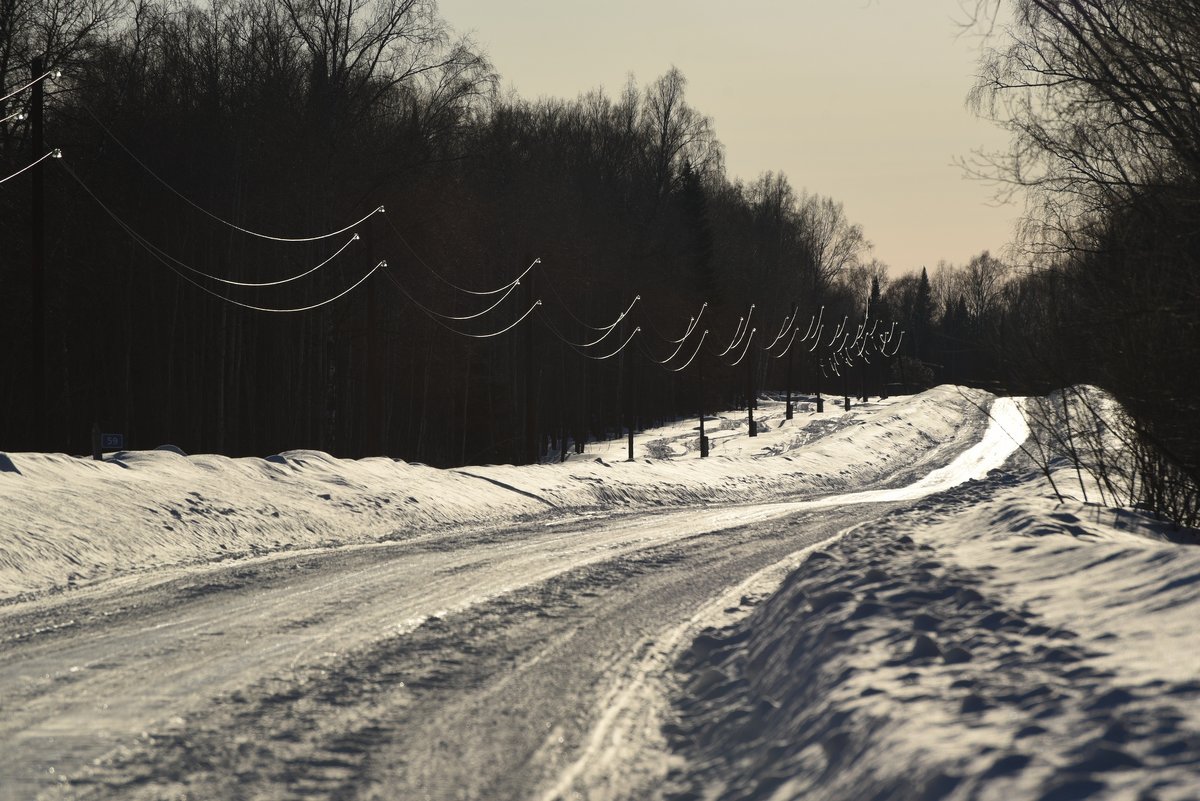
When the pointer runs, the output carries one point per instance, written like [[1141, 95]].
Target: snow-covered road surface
[[475, 664]]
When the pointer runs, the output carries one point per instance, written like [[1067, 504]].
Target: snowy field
[[966, 637]]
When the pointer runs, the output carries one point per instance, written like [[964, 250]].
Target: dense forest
[[208, 152], [195, 138]]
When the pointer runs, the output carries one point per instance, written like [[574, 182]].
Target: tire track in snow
[[628, 728], [227, 640]]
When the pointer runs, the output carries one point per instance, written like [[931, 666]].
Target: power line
[[838, 332], [795, 331], [566, 307], [17, 115], [503, 298], [582, 353], [896, 349], [297, 309], [694, 354], [814, 322], [296, 277], [608, 329], [53, 154], [463, 317], [692, 324], [737, 337], [166, 261], [787, 321], [745, 350], [41, 77], [229, 282], [162, 254], [447, 281], [816, 338], [432, 315], [741, 332], [222, 220], [691, 327]]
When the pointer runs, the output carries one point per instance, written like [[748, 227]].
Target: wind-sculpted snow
[[988, 644], [984, 643], [68, 520]]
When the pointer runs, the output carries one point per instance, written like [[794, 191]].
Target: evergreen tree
[[878, 307], [694, 203], [922, 322]]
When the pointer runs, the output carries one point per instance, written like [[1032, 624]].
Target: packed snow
[[986, 640], [991, 642]]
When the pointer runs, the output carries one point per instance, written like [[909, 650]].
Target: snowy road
[[472, 665]]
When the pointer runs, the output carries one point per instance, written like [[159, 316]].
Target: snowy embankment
[[67, 520], [989, 643]]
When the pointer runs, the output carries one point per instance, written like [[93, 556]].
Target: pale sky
[[860, 100]]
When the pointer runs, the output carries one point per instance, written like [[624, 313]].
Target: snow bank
[[65, 520], [988, 644]]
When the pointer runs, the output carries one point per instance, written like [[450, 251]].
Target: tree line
[[185, 126], [182, 124], [1102, 102], [1102, 285]]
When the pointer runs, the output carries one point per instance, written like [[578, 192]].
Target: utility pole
[[371, 427], [750, 389], [881, 372], [532, 451], [820, 400], [703, 438], [37, 225], [629, 399], [791, 358], [846, 386]]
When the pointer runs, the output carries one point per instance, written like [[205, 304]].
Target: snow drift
[[989, 643], [68, 520]]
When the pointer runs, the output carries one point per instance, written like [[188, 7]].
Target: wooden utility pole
[[881, 371], [37, 225], [532, 450], [820, 400], [846, 386], [629, 404], [630, 395], [750, 390], [791, 359], [703, 438], [371, 428]]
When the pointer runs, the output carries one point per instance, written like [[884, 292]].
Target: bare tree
[[1102, 100], [676, 132], [982, 282], [362, 49], [834, 243], [60, 31]]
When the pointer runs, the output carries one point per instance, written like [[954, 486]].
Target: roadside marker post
[[104, 441]]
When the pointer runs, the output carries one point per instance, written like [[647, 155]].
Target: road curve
[[469, 665]]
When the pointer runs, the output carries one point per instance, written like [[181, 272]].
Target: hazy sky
[[861, 100]]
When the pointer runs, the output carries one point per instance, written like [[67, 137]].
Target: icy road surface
[[484, 664]]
